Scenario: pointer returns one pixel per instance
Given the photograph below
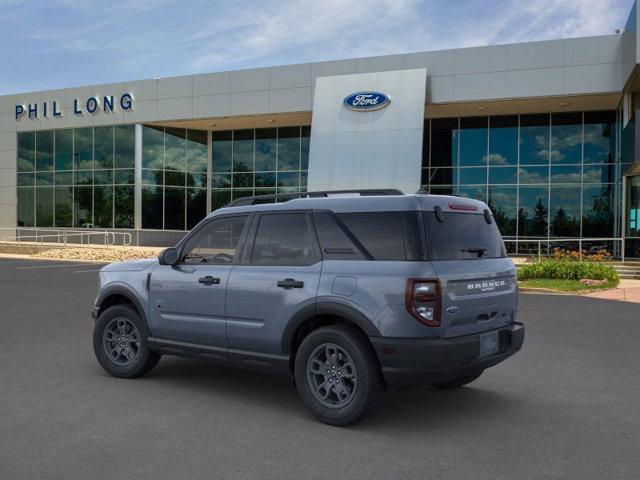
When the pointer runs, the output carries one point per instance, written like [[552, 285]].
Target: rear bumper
[[411, 363]]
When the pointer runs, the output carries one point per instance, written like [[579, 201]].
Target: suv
[[347, 293]]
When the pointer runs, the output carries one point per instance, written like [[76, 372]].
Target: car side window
[[283, 239], [216, 242]]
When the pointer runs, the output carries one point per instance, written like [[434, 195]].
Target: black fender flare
[[326, 308], [128, 293]]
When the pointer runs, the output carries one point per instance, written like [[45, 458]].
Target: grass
[[562, 285]]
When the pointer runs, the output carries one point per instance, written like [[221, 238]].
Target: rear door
[[277, 277], [187, 300], [477, 281]]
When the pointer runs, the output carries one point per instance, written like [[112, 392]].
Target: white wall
[[374, 149]]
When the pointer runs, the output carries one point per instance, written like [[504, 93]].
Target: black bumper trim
[[411, 363]]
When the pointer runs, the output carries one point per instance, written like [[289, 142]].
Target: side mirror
[[168, 256]]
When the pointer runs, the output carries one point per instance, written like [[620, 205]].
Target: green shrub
[[568, 271]]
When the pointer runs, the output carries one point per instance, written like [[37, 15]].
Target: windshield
[[462, 236]]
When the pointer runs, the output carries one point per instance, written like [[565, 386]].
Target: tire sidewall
[[133, 369], [367, 370]]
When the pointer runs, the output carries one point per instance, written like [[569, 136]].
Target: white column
[[137, 198]]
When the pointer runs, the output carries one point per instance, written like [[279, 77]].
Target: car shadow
[[401, 411]]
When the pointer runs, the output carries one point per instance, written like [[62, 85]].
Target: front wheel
[[338, 376], [120, 343]]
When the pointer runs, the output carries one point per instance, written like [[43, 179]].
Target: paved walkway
[[627, 291]]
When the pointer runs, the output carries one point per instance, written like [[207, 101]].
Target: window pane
[[152, 207], [26, 179], [83, 177], [26, 151], [473, 141], [597, 211], [219, 198], [283, 239], [266, 179], [565, 211], [243, 150], [502, 202], [566, 138], [221, 151], [304, 147], [503, 175], [265, 149], [152, 177], [152, 147], [503, 140], [102, 177], [124, 176], [472, 176], [26, 202], [63, 207], [534, 139], [534, 175], [566, 174], [599, 140], [221, 181], [176, 179], [44, 150], [197, 152], [442, 176], [443, 142], [533, 214], [477, 193], [174, 202], [379, 232], [44, 207], [83, 148], [82, 205], [123, 204], [196, 206], [64, 149], [335, 244], [288, 179], [197, 179], [103, 147], [103, 207], [125, 152], [599, 173], [216, 242], [289, 148], [175, 149], [44, 179]]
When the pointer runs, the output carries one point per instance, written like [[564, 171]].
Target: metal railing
[[81, 238], [545, 246]]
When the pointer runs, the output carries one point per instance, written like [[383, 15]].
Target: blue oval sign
[[366, 101]]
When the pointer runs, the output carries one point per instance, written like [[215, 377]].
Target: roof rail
[[285, 197]]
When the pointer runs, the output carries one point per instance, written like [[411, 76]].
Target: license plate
[[489, 344]]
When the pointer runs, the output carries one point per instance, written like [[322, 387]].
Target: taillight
[[422, 299]]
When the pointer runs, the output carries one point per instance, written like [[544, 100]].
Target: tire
[[131, 358], [354, 390], [459, 382]]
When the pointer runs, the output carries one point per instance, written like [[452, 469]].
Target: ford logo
[[452, 309], [366, 101]]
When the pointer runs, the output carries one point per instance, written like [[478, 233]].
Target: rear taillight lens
[[422, 299]]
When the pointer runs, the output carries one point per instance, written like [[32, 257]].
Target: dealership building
[[544, 132]]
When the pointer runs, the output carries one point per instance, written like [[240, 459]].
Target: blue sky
[[47, 44]]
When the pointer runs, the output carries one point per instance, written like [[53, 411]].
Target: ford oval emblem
[[452, 309], [366, 101]]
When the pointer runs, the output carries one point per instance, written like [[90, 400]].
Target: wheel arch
[[117, 295]]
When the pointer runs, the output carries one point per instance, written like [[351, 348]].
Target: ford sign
[[366, 101]]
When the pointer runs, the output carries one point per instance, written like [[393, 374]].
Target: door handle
[[290, 283], [209, 280]]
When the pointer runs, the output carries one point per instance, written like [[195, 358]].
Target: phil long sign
[[366, 101], [52, 109]]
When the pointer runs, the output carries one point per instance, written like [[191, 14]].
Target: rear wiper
[[479, 250]]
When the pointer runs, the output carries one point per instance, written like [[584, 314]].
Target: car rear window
[[462, 236]]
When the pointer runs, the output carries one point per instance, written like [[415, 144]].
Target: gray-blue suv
[[349, 293]]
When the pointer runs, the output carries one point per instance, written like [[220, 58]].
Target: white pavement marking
[[54, 266], [86, 271]]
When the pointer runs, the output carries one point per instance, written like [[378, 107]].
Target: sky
[[48, 44]]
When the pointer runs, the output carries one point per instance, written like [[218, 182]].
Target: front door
[[278, 276], [187, 300], [632, 216]]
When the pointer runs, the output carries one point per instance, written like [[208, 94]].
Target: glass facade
[[258, 162], [77, 177], [543, 175]]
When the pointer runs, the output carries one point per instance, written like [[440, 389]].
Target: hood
[[129, 265]]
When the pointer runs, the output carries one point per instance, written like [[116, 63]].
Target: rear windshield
[[462, 236]]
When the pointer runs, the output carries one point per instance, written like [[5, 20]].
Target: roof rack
[[285, 197]]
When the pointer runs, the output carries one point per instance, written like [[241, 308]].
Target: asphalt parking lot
[[567, 406]]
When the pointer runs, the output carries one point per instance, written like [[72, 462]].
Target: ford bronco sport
[[348, 293]]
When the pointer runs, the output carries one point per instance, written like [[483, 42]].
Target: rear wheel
[[459, 382], [338, 375], [120, 343]]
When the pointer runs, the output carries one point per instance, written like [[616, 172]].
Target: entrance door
[[632, 216], [187, 300]]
